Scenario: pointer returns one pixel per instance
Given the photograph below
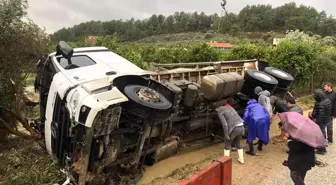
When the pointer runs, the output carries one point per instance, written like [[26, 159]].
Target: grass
[[26, 163], [306, 102], [30, 80]]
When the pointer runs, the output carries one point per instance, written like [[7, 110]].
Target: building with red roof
[[221, 45]]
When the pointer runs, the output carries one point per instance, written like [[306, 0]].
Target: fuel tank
[[219, 86]]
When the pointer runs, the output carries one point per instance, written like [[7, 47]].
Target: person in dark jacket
[[292, 106], [233, 127], [321, 113], [331, 95], [301, 158], [279, 105]]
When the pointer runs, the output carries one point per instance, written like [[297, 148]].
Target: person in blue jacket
[[258, 122]]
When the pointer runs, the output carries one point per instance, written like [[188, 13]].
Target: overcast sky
[[56, 14]]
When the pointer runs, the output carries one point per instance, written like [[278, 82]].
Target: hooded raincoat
[[258, 122], [322, 108], [264, 100]]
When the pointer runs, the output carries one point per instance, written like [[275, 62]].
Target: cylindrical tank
[[190, 96], [219, 86]]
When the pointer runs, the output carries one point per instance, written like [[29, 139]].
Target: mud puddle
[[166, 167]]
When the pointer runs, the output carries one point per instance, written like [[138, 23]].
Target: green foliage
[[132, 54], [300, 56], [256, 18], [108, 41], [188, 38], [142, 55], [326, 61], [247, 51], [305, 54], [171, 54], [203, 53], [21, 44]]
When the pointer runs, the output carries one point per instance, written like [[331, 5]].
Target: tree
[[256, 18], [21, 44], [299, 55]]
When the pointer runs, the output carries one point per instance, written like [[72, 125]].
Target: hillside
[[256, 18], [196, 37]]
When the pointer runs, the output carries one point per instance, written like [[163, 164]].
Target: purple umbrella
[[303, 129]]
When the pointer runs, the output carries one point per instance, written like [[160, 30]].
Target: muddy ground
[[25, 163], [176, 169], [254, 171]]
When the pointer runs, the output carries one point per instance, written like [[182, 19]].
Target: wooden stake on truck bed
[[194, 72]]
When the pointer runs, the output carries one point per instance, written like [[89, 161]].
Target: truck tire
[[259, 77], [285, 80], [146, 102], [254, 78]]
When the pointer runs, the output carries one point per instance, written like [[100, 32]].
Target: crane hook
[[223, 4]]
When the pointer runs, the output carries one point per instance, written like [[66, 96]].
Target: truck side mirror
[[64, 49]]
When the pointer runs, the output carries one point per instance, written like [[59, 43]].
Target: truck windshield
[[75, 61]]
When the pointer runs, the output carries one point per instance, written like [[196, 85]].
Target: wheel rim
[[149, 95]]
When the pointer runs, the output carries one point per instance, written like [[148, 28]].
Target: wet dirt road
[[173, 170]]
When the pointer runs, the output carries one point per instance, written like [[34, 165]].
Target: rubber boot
[[227, 153], [241, 156]]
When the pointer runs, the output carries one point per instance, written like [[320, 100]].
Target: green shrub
[[300, 56], [203, 53], [248, 51]]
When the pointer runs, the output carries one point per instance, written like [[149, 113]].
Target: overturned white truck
[[103, 117]]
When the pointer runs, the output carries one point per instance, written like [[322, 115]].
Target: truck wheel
[[146, 102], [285, 79], [259, 77], [254, 78]]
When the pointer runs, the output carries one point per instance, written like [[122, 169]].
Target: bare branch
[[16, 132], [24, 123]]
